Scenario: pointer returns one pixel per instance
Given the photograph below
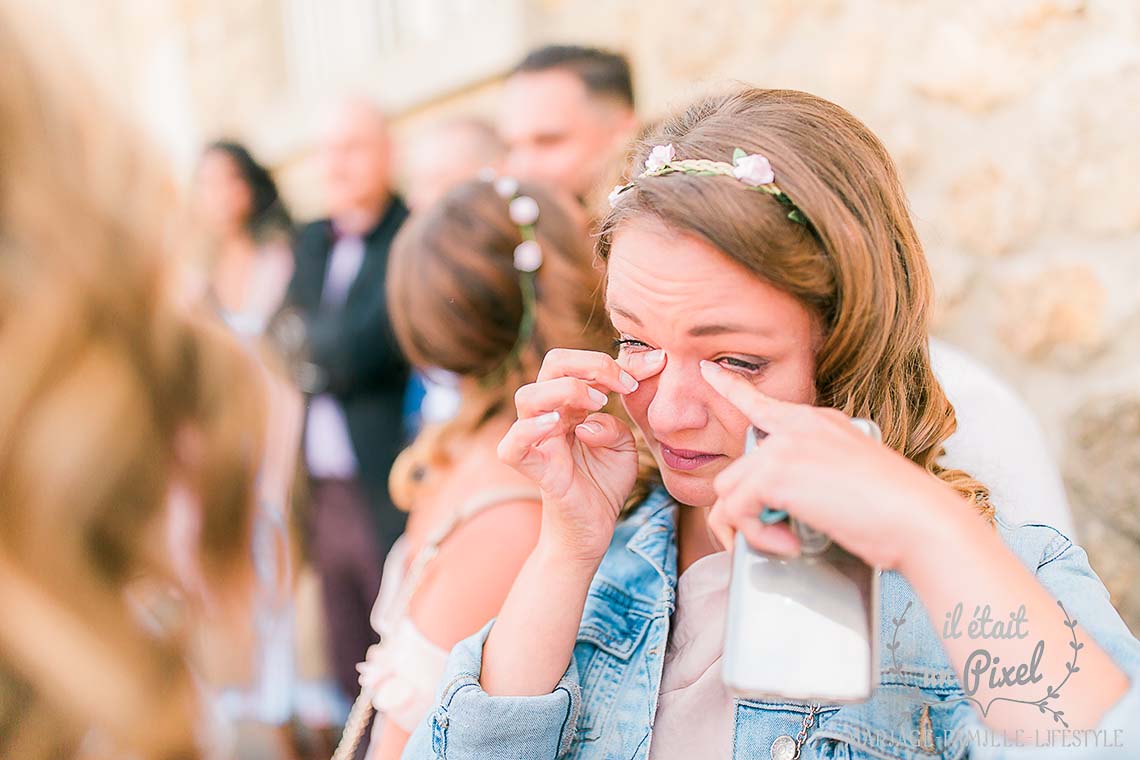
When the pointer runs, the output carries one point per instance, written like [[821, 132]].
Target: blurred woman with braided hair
[[481, 285]]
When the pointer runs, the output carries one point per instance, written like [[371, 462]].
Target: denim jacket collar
[[636, 583], [654, 540]]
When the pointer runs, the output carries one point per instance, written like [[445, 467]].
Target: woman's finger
[[775, 539], [643, 365], [525, 434], [739, 507], [605, 431], [728, 479], [722, 531], [555, 395], [596, 368], [771, 539], [754, 488], [766, 413]]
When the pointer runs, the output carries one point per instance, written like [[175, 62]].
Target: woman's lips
[[685, 460]]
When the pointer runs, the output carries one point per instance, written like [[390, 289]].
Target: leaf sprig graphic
[[1051, 692], [894, 645]]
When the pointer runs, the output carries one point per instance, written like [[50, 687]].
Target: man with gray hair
[[447, 154]]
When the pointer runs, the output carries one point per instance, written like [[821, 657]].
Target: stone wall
[[1015, 125]]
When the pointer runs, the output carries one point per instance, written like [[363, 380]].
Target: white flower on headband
[[753, 170], [506, 187], [528, 256], [659, 157], [614, 194], [524, 211]]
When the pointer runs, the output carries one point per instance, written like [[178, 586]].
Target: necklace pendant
[[785, 748]]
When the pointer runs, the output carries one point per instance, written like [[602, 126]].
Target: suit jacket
[[362, 365]]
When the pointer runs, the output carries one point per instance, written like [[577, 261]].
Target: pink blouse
[[695, 711]]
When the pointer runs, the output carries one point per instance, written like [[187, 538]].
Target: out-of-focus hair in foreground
[[118, 413]]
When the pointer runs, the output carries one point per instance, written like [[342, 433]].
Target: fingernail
[[772, 516], [655, 356], [628, 381], [590, 427], [790, 550], [598, 397], [708, 367], [548, 419]]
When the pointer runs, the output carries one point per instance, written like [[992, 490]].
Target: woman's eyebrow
[[627, 314], [699, 331]]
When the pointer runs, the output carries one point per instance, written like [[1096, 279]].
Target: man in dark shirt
[[355, 378]]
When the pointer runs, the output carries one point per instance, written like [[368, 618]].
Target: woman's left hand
[[819, 468], [882, 507]]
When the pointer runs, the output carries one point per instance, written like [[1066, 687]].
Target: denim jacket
[[605, 703]]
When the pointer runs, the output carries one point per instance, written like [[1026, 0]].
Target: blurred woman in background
[[481, 284], [250, 258], [271, 698], [120, 414]]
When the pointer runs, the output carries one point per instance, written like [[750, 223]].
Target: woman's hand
[[818, 467], [584, 461]]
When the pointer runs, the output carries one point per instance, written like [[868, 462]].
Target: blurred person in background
[[356, 376], [567, 117], [121, 415], [445, 155], [463, 298], [250, 236]]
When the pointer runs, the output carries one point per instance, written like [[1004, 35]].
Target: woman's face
[[223, 197], [671, 291]]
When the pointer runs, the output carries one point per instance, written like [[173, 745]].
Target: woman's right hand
[[583, 460]]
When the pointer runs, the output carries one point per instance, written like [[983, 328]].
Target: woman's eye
[[740, 365], [622, 344]]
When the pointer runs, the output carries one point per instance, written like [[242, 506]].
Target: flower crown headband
[[523, 211], [752, 169]]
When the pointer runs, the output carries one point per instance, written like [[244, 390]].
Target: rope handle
[[354, 728], [357, 722]]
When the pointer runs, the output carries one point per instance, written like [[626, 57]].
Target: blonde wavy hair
[[859, 266], [109, 395]]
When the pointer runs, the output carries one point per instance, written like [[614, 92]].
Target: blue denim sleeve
[[1063, 568], [466, 723]]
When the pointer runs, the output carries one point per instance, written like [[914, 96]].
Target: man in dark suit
[[355, 378]]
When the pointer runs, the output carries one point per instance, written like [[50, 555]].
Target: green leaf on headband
[[737, 155]]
